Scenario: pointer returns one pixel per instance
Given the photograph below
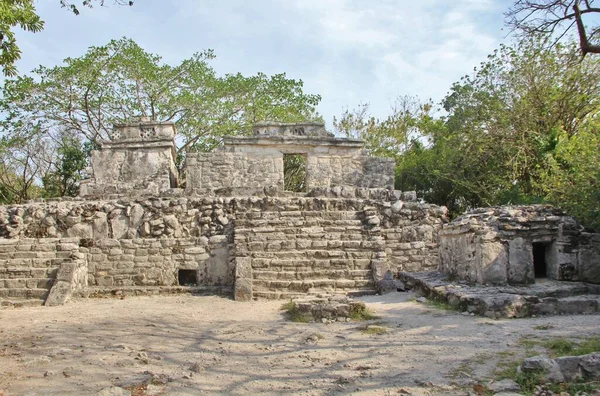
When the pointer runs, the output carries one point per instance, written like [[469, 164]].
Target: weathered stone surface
[[505, 385], [114, 391], [243, 289], [590, 366], [520, 261], [569, 366], [470, 245]]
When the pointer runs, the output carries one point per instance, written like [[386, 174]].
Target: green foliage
[[565, 347], [13, 13], [90, 3], [120, 81], [294, 172], [359, 313], [64, 180], [572, 176], [294, 314], [85, 96], [504, 138], [387, 138]]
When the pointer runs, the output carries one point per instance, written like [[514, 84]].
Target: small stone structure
[[233, 229], [516, 245], [256, 163], [139, 159]]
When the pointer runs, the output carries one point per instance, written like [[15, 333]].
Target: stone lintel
[[292, 140]]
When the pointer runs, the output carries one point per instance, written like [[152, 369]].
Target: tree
[[90, 3], [573, 173], [387, 138], [13, 13], [555, 18], [25, 157], [116, 83], [67, 171], [23, 14], [503, 125], [120, 81]]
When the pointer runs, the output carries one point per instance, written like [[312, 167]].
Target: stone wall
[[155, 262], [267, 247], [29, 267], [139, 159], [257, 161], [496, 246], [226, 170]]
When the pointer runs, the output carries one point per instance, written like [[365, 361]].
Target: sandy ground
[[212, 345]]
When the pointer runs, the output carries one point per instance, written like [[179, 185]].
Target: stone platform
[[545, 297]]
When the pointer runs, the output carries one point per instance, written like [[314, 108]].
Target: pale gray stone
[[504, 385], [590, 366]]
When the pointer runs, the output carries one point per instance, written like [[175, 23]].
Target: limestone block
[[520, 261], [493, 263], [243, 289], [589, 260], [590, 366]]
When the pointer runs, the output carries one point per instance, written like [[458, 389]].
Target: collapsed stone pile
[[327, 308]]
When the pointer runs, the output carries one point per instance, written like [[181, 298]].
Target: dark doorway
[[187, 277], [539, 260], [294, 172]]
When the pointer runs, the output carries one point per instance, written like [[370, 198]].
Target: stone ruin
[[234, 229], [517, 245]]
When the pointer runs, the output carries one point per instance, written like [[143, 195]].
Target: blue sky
[[349, 51]]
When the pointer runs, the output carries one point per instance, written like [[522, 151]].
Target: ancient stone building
[[233, 228], [517, 245]]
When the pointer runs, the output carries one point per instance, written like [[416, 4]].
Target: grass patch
[[440, 304], [527, 381], [377, 328], [293, 314], [361, 313], [555, 347], [546, 326], [564, 347]]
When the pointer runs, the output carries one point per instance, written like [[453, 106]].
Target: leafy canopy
[[120, 81]]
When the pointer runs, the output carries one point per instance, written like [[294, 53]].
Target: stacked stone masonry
[[289, 245], [518, 244], [234, 228]]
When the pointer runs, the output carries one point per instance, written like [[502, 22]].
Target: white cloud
[[349, 51]]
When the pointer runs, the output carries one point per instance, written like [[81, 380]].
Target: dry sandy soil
[[212, 345]]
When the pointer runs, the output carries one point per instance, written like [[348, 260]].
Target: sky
[[350, 52]]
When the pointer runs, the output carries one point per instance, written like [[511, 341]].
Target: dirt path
[[211, 345]]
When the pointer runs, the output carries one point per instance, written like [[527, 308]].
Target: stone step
[[313, 274], [284, 295], [307, 214], [27, 272], [23, 293], [16, 255], [101, 291], [26, 283], [299, 222], [310, 264], [305, 286], [313, 255], [548, 297], [34, 262], [20, 302]]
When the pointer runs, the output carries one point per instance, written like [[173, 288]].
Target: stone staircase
[[305, 252], [28, 268]]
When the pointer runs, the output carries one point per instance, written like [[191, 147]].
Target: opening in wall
[[187, 277], [539, 259], [294, 172]]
